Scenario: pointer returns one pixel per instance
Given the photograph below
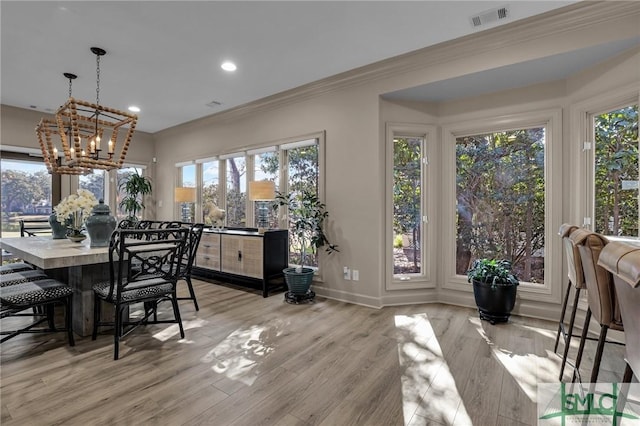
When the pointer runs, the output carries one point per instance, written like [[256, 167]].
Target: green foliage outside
[[407, 194], [616, 172], [303, 177], [501, 200]]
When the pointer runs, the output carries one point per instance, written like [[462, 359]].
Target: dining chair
[[144, 266], [40, 295], [623, 261], [576, 281], [193, 241], [602, 302]]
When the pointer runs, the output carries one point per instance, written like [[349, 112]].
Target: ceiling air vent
[[489, 16]]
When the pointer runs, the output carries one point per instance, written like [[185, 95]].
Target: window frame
[[428, 203], [551, 120]]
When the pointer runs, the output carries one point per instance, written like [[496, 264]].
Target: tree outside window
[[501, 200]]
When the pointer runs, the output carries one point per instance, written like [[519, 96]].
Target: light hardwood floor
[[253, 361]]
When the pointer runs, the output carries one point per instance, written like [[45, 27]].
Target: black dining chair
[[144, 266], [193, 241]]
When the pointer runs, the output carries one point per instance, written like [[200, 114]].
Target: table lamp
[[185, 195], [261, 192]]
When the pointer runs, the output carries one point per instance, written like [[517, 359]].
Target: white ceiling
[[165, 56]]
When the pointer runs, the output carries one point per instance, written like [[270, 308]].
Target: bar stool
[[623, 261], [576, 280], [603, 304]]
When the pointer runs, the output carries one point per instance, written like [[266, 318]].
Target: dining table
[[75, 263]]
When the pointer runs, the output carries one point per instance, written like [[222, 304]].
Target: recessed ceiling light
[[228, 66], [134, 108]]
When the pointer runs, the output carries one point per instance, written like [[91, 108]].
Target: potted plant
[[307, 216], [494, 288], [135, 187]]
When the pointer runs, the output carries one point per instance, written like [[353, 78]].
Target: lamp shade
[[185, 195], [262, 190]]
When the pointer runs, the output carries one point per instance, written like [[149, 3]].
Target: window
[[210, 189], [26, 192], [236, 194], [407, 204], [615, 176], [302, 167], [410, 188], [222, 182], [266, 166], [188, 180], [94, 182], [500, 194]]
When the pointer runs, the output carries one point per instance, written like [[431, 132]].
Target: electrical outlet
[[347, 273], [355, 274]]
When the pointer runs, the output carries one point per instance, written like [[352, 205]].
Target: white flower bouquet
[[75, 209]]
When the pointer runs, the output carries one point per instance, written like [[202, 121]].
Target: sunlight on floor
[[239, 355], [428, 388], [523, 364], [174, 330]]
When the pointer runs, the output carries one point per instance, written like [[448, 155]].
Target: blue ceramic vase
[[58, 230], [100, 225]]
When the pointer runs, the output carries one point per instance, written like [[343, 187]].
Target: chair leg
[[191, 292], [567, 343], [583, 339], [96, 316], [562, 312], [49, 311], [176, 313], [596, 362], [117, 331], [69, 319]]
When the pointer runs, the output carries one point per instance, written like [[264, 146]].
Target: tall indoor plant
[[307, 215], [135, 187], [494, 288]]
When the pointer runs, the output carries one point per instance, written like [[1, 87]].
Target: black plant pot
[[494, 303]]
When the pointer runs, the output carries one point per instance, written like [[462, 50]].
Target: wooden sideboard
[[243, 256]]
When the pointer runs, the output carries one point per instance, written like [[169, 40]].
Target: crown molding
[[574, 17]]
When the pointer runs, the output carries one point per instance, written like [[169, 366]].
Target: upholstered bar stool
[[623, 261], [603, 304], [576, 280]]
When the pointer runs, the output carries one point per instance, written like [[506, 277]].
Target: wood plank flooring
[[253, 361]]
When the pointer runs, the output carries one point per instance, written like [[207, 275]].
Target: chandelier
[[81, 128]]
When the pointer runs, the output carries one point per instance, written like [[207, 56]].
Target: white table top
[[46, 253]]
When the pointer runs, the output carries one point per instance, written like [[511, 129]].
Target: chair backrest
[[193, 241], [140, 258], [576, 276], [34, 227], [599, 282], [623, 261]]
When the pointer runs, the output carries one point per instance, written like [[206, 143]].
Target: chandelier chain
[[97, 79], [70, 83]]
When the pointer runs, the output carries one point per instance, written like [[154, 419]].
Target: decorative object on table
[[100, 225], [215, 215], [185, 196], [262, 192], [135, 186], [73, 211], [306, 222], [58, 230], [90, 134], [494, 288]]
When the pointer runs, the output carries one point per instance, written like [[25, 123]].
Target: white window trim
[[551, 119], [582, 203], [426, 279]]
